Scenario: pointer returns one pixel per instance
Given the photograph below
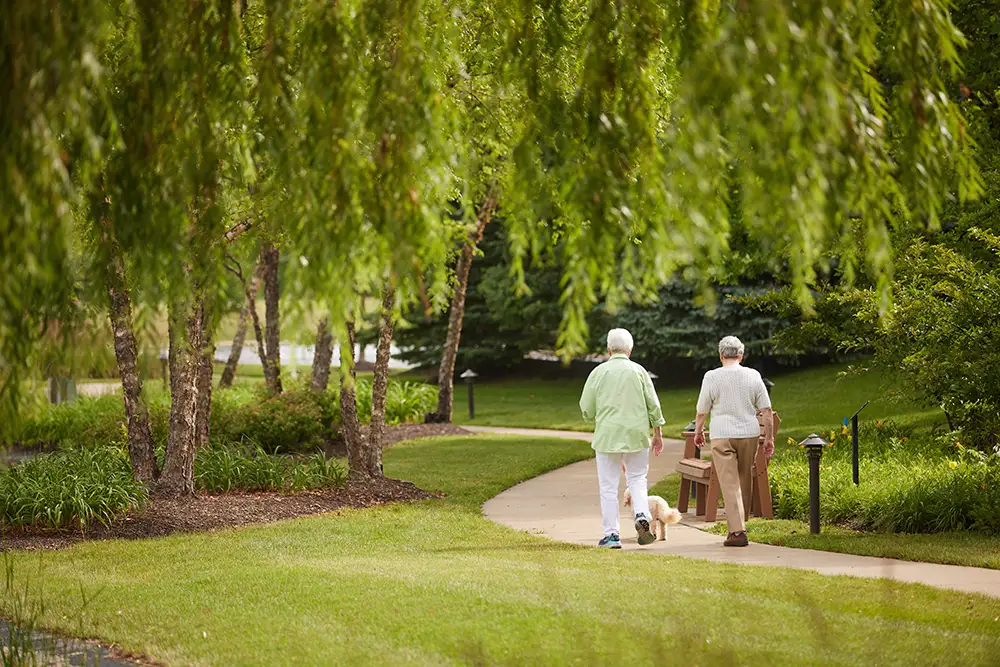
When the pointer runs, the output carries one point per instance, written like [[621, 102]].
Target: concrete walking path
[[564, 506]]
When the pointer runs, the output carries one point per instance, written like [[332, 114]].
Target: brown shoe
[[736, 540]]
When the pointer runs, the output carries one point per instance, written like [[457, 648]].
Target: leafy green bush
[[941, 337], [404, 401], [69, 488], [225, 468], [294, 421], [919, 485], [81, 422]]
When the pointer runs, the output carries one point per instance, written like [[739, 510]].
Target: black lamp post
[[470, 379], [814, 449], [854, 444]]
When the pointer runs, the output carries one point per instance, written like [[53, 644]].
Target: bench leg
[[700, 500], [713, 497], [682, 500]]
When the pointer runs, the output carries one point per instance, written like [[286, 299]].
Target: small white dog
[[663, 515]]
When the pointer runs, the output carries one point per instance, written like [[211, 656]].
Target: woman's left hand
[[769, 449]]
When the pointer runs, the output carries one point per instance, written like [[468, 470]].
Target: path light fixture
[[653, 376], [768, 385], [814, 449], [470, 379]]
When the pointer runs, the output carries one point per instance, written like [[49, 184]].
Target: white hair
[[730, 347], [619, 341]]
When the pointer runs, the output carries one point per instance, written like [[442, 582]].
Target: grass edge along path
[[437, 583], [956, 548], [965, 548]]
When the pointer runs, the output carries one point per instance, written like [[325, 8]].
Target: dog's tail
[[673, 516]]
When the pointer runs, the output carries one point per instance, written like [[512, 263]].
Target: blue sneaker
[[610, 542], [642, 530]]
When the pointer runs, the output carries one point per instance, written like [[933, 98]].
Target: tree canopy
[[623, 127]]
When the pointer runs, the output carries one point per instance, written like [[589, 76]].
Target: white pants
[[608, 470]]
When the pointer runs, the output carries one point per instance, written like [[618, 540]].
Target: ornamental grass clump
[[247, 467], [70, 489]]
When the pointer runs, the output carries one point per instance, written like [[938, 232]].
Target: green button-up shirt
[[620, 397]]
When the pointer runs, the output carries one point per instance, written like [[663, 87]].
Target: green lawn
[[434, 583], [965, 548], [808, 401]]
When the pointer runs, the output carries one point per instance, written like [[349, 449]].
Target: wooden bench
[[702, 474]]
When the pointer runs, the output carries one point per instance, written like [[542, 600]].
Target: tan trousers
[[733, 458]]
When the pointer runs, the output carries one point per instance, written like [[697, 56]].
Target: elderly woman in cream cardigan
[[734, 395]]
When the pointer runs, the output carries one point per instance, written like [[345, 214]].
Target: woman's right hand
[[699, 439]]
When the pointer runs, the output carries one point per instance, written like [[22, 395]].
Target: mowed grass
[[808, 401], [434, 583], [964, 548]]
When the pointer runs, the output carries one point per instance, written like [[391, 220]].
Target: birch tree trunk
[[177, 478], [350, 427], [322, 357], [446, 371], [380, 386], [272, 327], [249, 302], [140, 438], [206, 356]]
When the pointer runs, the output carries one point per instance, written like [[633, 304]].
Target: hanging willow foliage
[[624, 125]]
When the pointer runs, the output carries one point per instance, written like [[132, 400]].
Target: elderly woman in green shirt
[[620, 399]]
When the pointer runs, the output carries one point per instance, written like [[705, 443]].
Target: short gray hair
[[619, 341], [730, 347]]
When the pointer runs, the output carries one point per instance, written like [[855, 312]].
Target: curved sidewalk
[[563, 505]]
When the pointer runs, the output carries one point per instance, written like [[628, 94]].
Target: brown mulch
[[394, 434], [202, 513], [212, 512]]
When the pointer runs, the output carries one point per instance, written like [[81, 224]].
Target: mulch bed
[[394, 434], [206, 513]]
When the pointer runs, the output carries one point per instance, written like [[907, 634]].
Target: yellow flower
[[791, 441], [953, 465]]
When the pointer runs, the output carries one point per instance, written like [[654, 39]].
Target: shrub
[[404, 401], [295, 421], [82, 422], [226, 468], [409, 402], [910, 486], [70, 488]]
